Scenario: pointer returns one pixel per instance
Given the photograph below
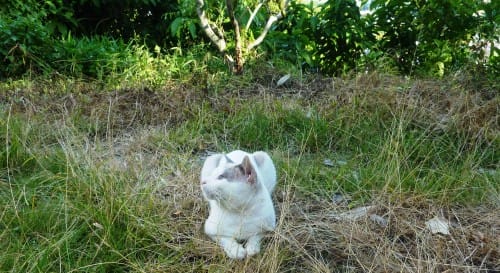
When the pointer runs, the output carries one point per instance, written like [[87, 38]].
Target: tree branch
[[205, 25], [272, 19], [252, 16]]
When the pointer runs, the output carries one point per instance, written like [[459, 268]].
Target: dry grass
[[129, 140], [309, 237], [455, 104]]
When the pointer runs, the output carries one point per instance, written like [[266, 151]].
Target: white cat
[[238, 187]]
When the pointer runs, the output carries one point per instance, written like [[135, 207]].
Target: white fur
[[241, 208]]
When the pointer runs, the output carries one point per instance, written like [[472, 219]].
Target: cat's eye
[[221, 176]]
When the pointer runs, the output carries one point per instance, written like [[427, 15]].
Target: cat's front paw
[[253, 249], [236, 251], [253, 245]]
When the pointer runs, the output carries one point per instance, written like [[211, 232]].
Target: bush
[[27, 31], [299, 23], [432, 37], [44, 36], [22, 34], [331, 37], [88, 56], [341, 36]]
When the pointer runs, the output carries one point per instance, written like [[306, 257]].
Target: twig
[[272, 19], [252, 16]]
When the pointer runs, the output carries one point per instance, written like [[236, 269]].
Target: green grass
[[79, 193]]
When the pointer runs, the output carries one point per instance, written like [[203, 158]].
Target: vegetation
[[435, 38], [106, 117], [100, 181]]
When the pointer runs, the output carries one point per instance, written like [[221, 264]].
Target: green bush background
[[97, 38]]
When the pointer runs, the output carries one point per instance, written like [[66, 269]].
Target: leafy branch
[[216, 36]]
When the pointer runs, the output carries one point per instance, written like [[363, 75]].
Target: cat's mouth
[[211, 194]]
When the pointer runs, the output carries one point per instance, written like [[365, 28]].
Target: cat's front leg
[[233, 249], [253, 245]]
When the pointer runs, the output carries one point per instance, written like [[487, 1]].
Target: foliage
[[57, 17], [30, 43], [89, 56], [341, 36], [431, 36], [428, 38], [332, 36], [27, 29], [299, 23], [184, 25], [238, 13]]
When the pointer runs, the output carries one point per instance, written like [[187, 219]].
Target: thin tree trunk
[[238, 54]]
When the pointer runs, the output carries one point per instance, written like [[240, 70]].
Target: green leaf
[[192, 29], [175, 27]]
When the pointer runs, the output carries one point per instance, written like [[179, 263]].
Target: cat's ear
[[260, 158], [209, 165], [228, 160], [248, 170]]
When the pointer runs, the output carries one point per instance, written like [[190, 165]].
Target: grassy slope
[[94, 181]]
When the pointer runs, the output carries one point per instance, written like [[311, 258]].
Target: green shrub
[[432, 37], [341, 36], [331, 37], [22, 38], [299, 23], [27, 31], [95, 57]]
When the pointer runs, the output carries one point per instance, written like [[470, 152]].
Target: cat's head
[[233, 184]]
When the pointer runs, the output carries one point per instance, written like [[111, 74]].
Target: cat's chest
[[242, 224]]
